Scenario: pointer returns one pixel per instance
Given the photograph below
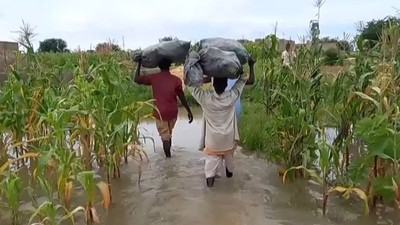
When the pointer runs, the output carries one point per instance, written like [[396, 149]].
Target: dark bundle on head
[[220, 84], [164, 64]]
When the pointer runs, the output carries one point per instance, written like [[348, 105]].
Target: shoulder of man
[[149, 71], [175, 77]]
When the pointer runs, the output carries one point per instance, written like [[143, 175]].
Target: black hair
[[164, 64], [220, 84]]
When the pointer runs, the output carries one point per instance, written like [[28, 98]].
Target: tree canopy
[[108, 46], [373, 29], [53, 45]]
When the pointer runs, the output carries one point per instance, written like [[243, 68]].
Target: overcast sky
[[142, 22]]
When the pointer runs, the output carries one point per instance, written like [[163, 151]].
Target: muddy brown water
[[173, 191]]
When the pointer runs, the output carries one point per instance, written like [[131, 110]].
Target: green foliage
[[384, 187], [373, 29], [11, 188], [360, 103], [344, 45], [257, 136], [329, 39], [45, 114], [380, 137], [26, 34], [107, 47], [358, 169], [314, 31], [332, 56], [289, 133], [53, 45]]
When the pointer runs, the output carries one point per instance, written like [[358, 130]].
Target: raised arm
[[181, 95], [237, 89], [251, 79], [137, 73], [146, 80]]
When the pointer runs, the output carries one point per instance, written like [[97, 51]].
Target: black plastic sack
[[218, 63], [227, 45], [193, 73], [175, 50]]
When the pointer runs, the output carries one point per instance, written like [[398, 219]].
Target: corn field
[[62, 118], [69, 121], [300, 104]]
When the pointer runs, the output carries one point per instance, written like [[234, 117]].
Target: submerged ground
[[174, 192]]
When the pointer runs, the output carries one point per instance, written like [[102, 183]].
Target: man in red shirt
[[165, 89]]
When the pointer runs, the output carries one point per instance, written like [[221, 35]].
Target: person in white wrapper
[[221, 136]]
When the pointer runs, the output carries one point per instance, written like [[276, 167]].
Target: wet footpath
[[173, 191]]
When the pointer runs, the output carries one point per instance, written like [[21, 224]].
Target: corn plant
[[327, 170], [68, 165], [360, 103], [86, 178], [380, 98], [44, 113], [48, 212], [15, 110], [11, 188], [266, 53]]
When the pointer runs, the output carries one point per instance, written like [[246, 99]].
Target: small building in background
[[7, 55]]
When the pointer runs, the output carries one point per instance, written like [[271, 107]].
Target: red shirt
[[165, 89]]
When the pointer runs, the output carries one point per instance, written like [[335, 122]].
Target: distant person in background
[[288, 56], [221, 128], [166, 87]]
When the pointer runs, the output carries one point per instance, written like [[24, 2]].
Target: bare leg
[[212, 165], [167, 148], [229, 164]]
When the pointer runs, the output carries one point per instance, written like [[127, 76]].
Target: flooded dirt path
[[173, 191]]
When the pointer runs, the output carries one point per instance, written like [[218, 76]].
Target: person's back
[[221, 131], [165, 87], [220, 120], [238, 106]]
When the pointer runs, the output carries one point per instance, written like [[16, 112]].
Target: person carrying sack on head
[[166, 87], [221, 136]]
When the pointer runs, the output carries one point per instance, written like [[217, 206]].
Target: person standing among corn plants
[[221, 128], [165, 88], [288, 56]]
